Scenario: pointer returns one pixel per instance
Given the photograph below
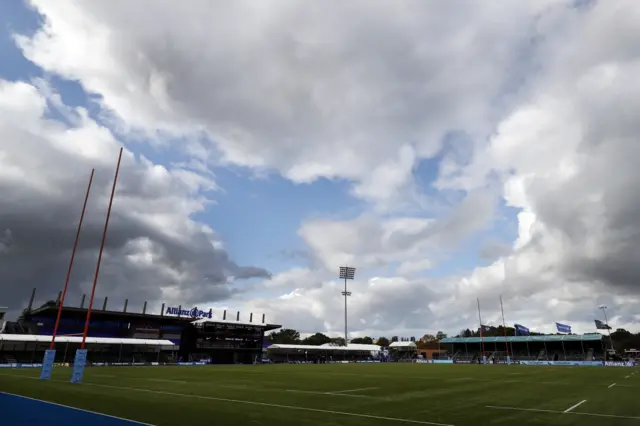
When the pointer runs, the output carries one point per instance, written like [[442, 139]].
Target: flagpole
[[504, 326], [481, 331]]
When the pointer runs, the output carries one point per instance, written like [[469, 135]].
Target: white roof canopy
[[16, 338], [328, 348], [226, 321], [406, 345]]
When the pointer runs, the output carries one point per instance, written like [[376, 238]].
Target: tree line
[[622, 339], [288, 336]]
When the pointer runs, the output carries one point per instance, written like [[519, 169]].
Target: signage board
[[189, 313]]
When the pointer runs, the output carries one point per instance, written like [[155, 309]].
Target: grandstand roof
[[267, 327], [403, 345], [350, 347], [524, 339], [52, 311], [78, 339]]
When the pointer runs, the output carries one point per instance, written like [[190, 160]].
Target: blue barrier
[[620, 364], [434, 361], [21, 410], [19, 365], [565, 363]]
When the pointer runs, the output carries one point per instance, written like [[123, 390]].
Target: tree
[[623, 339], [316, 339], [428, 338], [440, 335], [285, 336], [338, 341], [394, 339], [366, 340], [383, 341]]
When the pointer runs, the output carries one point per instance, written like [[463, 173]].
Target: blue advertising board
[[564, 363], [620, 364]]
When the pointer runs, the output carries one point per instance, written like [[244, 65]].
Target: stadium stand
[[403, 351], [280, 353], [30, 348], [121, 337], [586, 347]]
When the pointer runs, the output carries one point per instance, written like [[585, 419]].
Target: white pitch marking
[[264, 404], [75, 408], [611, 385], [352, 390], [167, 381], [561, 412], [328, 393], [575, 406]]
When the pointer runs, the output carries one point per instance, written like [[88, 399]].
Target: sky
[[450, 151]]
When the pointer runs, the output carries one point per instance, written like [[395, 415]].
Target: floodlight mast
[[346, 273], [606, 322]]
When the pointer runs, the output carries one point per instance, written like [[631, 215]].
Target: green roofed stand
[[524, 339]]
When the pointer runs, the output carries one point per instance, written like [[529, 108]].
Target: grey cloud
[[471, 215], [327, 90], [494, 249], [153, 250]]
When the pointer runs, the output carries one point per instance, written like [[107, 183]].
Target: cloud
[[154, 251], [376, 304], [568, 159], [565, 156], [358, 91], [494, 249], [534, 102], [370, 241]]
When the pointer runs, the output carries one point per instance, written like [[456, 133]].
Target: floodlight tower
[[606, 322], [346, 273]]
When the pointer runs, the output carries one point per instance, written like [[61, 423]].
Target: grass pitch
[[346, 394]]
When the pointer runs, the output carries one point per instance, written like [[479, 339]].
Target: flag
[[521, 330], [601, 326], [563, 328]]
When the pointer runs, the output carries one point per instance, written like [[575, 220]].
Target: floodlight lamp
[[602, 307], [347, 272]]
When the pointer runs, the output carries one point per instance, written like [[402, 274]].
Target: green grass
[[389, 394]]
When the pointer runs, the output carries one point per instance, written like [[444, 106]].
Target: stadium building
[[121, 337], [586, 347], [327, 353]]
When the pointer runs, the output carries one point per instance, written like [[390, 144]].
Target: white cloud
[[357, 91], [546, 93]]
